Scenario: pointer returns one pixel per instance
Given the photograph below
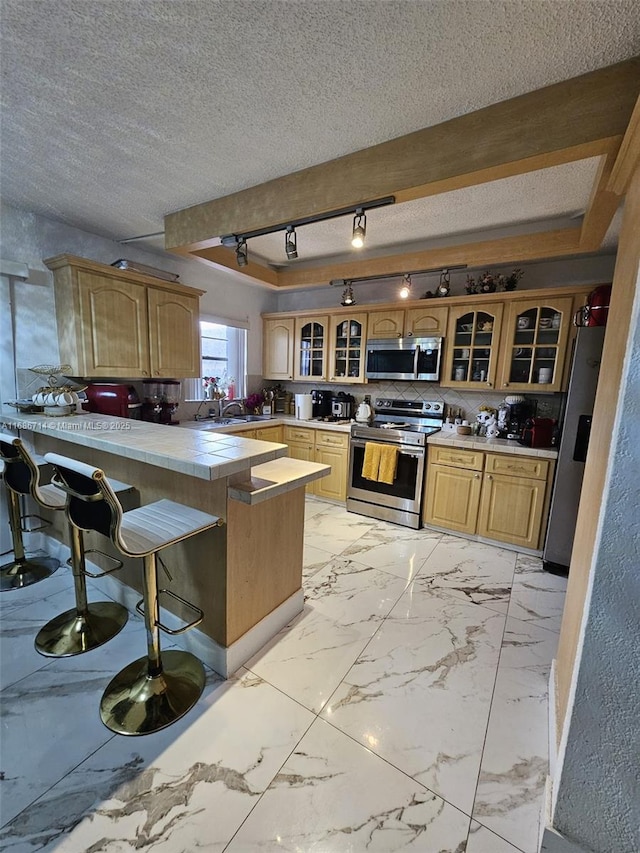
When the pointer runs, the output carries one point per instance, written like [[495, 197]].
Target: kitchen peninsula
[[246, 575]]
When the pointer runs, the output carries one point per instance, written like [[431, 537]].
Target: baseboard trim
[[225, 660]]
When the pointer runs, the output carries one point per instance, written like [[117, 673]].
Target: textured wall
[[598, 793], [29, 238]]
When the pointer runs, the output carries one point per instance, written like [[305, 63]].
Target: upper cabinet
[[120, 324], [535, 344], [430, 320], [471, 345], [347, 338], [278, 348], [311, 346]]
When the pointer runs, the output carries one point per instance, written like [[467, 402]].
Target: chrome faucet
[[239, 404]]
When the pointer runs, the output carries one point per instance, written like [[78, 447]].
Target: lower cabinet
[[497, 496], [326, 447]]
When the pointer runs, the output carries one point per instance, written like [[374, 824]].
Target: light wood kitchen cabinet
[[534, 346], [471, 345], [120, 324], [311, 347], [413, 322], [502, 497], [347, 338], [270, 433], [301, 443], [278, 348], [332, 448]]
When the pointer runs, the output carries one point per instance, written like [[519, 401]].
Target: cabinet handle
[[476, 476], [145, 373], [490, 384], [409, 334], [156, 373], [489, 477], [505, 384]]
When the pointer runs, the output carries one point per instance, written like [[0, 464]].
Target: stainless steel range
[[404, 424]]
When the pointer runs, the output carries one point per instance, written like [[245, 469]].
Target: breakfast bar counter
[[245, 575]]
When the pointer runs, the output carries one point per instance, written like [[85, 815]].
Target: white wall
[[597, 794], [29, 239]]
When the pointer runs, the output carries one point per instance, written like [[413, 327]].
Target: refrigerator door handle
[[582, 438]]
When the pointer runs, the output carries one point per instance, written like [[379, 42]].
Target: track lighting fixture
[[347, 295], [405, 290], [291, 243], [359, 229], [241, 252]]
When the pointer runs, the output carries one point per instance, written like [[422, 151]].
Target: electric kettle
[[364, 413]]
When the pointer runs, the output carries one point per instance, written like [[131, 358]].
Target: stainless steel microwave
[[404, 358]]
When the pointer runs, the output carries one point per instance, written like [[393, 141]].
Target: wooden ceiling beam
[[601, 208], [558, 118], [221, 258], [527, 247], [628, 160]]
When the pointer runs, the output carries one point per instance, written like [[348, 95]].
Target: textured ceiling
[[116, 113]]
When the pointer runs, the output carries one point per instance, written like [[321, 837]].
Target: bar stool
[[153, 691], [22, 477]]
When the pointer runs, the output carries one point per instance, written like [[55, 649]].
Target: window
[[224, 354]]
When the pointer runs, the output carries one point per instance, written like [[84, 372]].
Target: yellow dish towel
[[388, 463], [371, 461]]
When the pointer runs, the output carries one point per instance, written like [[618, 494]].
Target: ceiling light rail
[[233, 241]]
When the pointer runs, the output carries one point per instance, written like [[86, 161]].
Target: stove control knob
[[427, 406], [436, 407]]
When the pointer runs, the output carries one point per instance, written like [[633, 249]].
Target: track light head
[[291, 243], [347, 295], [359, 229], [241, 252], [405, 290]]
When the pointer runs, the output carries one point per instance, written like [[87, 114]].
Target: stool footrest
[[45, 523], [117, 564], [175, 631]]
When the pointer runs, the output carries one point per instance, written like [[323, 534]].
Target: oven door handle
[[413, 453], [416, 360]]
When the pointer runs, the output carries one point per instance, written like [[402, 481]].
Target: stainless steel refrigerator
[[572, 453]]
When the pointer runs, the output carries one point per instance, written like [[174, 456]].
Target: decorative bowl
[[464, 430]]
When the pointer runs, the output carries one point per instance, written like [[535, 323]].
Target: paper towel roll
[[304, 409]]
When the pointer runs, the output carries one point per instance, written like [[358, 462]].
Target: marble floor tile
[[15, 599], [400, 551], [335, 796], [50, 719], [310, 656], [18, 630], [482, 840], [313, 559], [515, 758], [471, 571], [337, 527], [353, 594], [313, 507], [537, 596], [419, 695], [186, 788]]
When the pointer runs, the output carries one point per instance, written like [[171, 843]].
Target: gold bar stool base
[[136, 703], [72, 633], [27, 571]]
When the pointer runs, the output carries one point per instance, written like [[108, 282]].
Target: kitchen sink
[[254, 417], [229, 420]]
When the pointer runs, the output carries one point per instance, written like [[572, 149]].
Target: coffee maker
[[513, 413], [161, 400], [321, 401]]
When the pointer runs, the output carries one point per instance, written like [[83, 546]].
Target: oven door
[[405, 493]]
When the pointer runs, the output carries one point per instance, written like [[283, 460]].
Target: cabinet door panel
[[307, 454], [471, 347], [386, 324], [452, 498], [114, 327], [273, 433], [511, 509], [312, 335], [174, 334], [347, 335], [426, 321], [278, 349], [334, 485]]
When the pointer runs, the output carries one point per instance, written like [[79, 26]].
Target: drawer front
[[332, 439], [517, 466], [298, 435], [456, 458]]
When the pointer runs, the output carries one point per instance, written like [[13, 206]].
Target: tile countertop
[[276, 420], [495, 445], [208, 454]]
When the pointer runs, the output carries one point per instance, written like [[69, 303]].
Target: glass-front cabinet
[[347, 335], [312, 336], [535, 345], [472, 340]]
